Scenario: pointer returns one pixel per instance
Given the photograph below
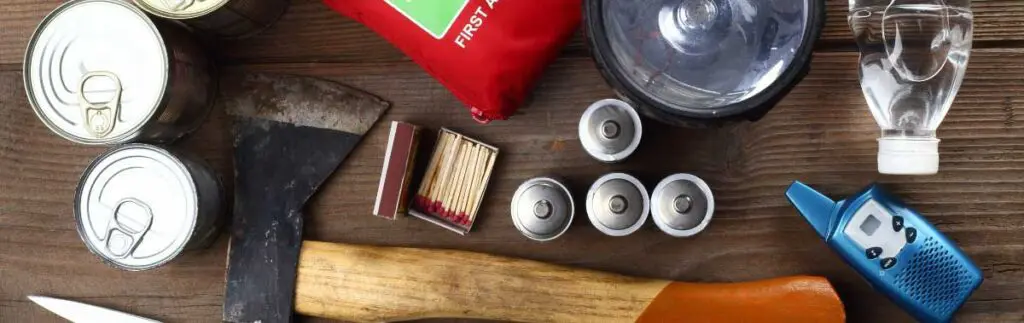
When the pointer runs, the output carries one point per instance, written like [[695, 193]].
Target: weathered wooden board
[[821, 134], [310, 32]]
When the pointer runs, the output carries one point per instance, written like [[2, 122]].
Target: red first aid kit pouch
[[487, 52]]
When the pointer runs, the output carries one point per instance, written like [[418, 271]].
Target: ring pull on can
[[100, 118], [178, 5], [131, 221]]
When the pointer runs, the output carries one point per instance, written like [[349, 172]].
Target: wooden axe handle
[[374, 284]]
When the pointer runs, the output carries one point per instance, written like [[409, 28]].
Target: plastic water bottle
[[913, 57]]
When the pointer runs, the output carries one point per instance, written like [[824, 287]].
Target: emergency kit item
[[399, 161], [455, 182], [695, 63], [542, 209], [224, 18], [140, 206], [894, 248], [682, 205], [618, 204], [102, 72], [913, 57], [488, 53], [610, 130]]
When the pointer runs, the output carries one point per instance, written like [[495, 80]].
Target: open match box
[[454, 182]]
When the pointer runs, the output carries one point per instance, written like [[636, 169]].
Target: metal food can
[[682, 205], [542, 209], [617, 204], [610, 130], [223, 18], [102, 72], [138, 206]]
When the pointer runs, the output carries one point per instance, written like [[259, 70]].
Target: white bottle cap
[[908, 156]]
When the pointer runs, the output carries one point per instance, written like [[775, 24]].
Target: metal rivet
[[542, 209], [618, 204], [682, 204], [610, 129]]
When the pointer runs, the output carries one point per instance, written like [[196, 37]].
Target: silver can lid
[[96, 71], [617, 204], [610, 130], [136, 207], [542, 209], [682, 205], [181, 9]]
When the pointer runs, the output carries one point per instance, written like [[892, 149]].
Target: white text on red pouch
[[475, 22]]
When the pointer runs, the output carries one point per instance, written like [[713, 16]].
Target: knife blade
[[84, 313]]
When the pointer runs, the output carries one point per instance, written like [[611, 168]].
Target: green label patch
[[434, 16]]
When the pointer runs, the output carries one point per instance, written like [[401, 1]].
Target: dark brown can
[[223, 18]]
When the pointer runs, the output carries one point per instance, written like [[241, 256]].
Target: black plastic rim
[[751, 109]]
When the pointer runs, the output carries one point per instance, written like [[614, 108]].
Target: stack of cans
[[106, 73]]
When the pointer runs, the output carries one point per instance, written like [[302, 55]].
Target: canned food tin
[[224, 18], [101, 72], [610, 130], [682, 205], [542, 209], [139, 206], [617, 204]]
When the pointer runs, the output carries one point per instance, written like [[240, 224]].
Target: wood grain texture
[[311, 32], [448, 283], [822, 134], [399, 284]]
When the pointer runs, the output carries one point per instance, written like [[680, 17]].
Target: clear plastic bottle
[[913, 58]]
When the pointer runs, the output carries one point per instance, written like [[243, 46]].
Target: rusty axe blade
[[290, 134]]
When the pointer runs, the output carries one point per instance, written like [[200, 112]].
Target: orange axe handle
[[375, 284]]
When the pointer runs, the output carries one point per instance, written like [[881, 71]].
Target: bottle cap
[[908, 156]]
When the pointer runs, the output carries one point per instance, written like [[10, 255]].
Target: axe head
[[290, 134]]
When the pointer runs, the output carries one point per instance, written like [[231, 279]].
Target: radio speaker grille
[[934, 278]]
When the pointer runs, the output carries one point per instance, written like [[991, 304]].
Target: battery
[[682, 205], [618, 204], [542, 209], [138, 206], [610, 130]]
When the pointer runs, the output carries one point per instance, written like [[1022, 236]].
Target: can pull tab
[[131, 220], [100, 118], [178, 5]]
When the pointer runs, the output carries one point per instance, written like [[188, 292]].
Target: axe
[[291, 133]]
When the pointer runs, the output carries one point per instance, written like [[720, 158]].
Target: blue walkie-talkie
[[894, 248]]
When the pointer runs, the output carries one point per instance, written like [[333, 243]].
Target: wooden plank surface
[[310, 32], [821, 133]]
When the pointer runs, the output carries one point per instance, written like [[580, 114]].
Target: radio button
[[888, 262], [874, 252], [911, 235]]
